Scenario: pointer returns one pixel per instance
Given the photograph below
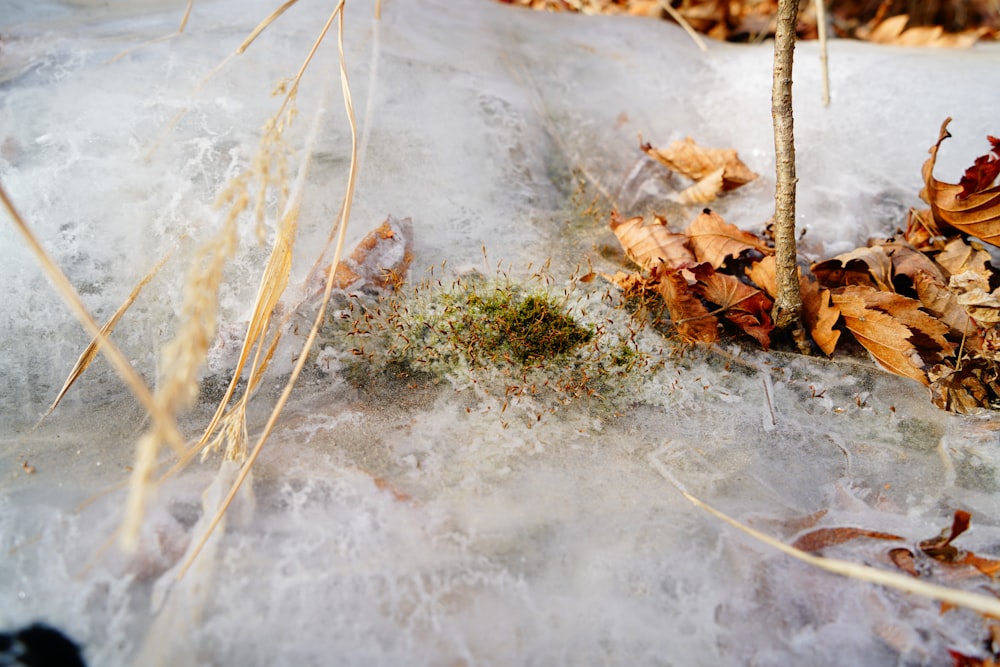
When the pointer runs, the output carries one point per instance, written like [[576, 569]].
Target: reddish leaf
[[982, 173], [904, 560], [746, 307], [940, 547], [976, 213], [822, 538]]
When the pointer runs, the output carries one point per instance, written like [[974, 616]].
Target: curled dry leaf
[[908, 261], [976, 213], [697, 163], [927, 332], [702, 192], [870, 267], [380, 259], [941, 302], [959, 257], [973, 293], [921, 229], [690, 316], [714, 240], [651, 244], [885, 338]]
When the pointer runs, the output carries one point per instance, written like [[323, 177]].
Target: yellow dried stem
[[162, 418], [345, 213], [255, 33], [980, 603], [90, 353]]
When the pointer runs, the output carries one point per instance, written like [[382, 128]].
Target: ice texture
[[391, 522]]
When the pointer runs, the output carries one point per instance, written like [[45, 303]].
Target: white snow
[[553, 542]]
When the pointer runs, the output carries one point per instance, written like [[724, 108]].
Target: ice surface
[[408, 525]]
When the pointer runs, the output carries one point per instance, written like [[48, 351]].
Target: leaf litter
[[923, 303]]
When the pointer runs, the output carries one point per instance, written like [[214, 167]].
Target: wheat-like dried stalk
[[343, 218]]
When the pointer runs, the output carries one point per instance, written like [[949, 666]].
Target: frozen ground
[[548, 542]]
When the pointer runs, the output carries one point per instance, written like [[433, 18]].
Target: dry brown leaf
[[928, 333], [967, 389], [869, 266], [689, 315], [908, 261], [885, 338], [822, 538], [818, 315], [714, 240], [651, 244], [976, 214], [959, 257], [746, 307], [941, 302], [972, 291], [704, 191], [893, 31], [691, 160]]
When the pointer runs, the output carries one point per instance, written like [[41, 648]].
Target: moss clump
[[517, 347], [505, 325]]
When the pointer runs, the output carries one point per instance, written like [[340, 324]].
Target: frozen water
[[396, 524]]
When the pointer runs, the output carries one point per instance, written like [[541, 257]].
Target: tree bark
[[788, 303]]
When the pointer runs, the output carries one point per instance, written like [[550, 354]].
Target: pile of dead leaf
[[925, 303], [900, 22]]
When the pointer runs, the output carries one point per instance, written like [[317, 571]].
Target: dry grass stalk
[[163, 419], [90, 353], [185, 354], [682, 22], [345, 213], [983, 604]]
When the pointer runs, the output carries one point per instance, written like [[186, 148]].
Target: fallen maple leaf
[[885, 337], [714, 240], [983, 172], [975, 213], [651, 244], [689, 315], [702, 164]]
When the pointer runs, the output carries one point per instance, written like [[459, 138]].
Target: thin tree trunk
[[788, 304]]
